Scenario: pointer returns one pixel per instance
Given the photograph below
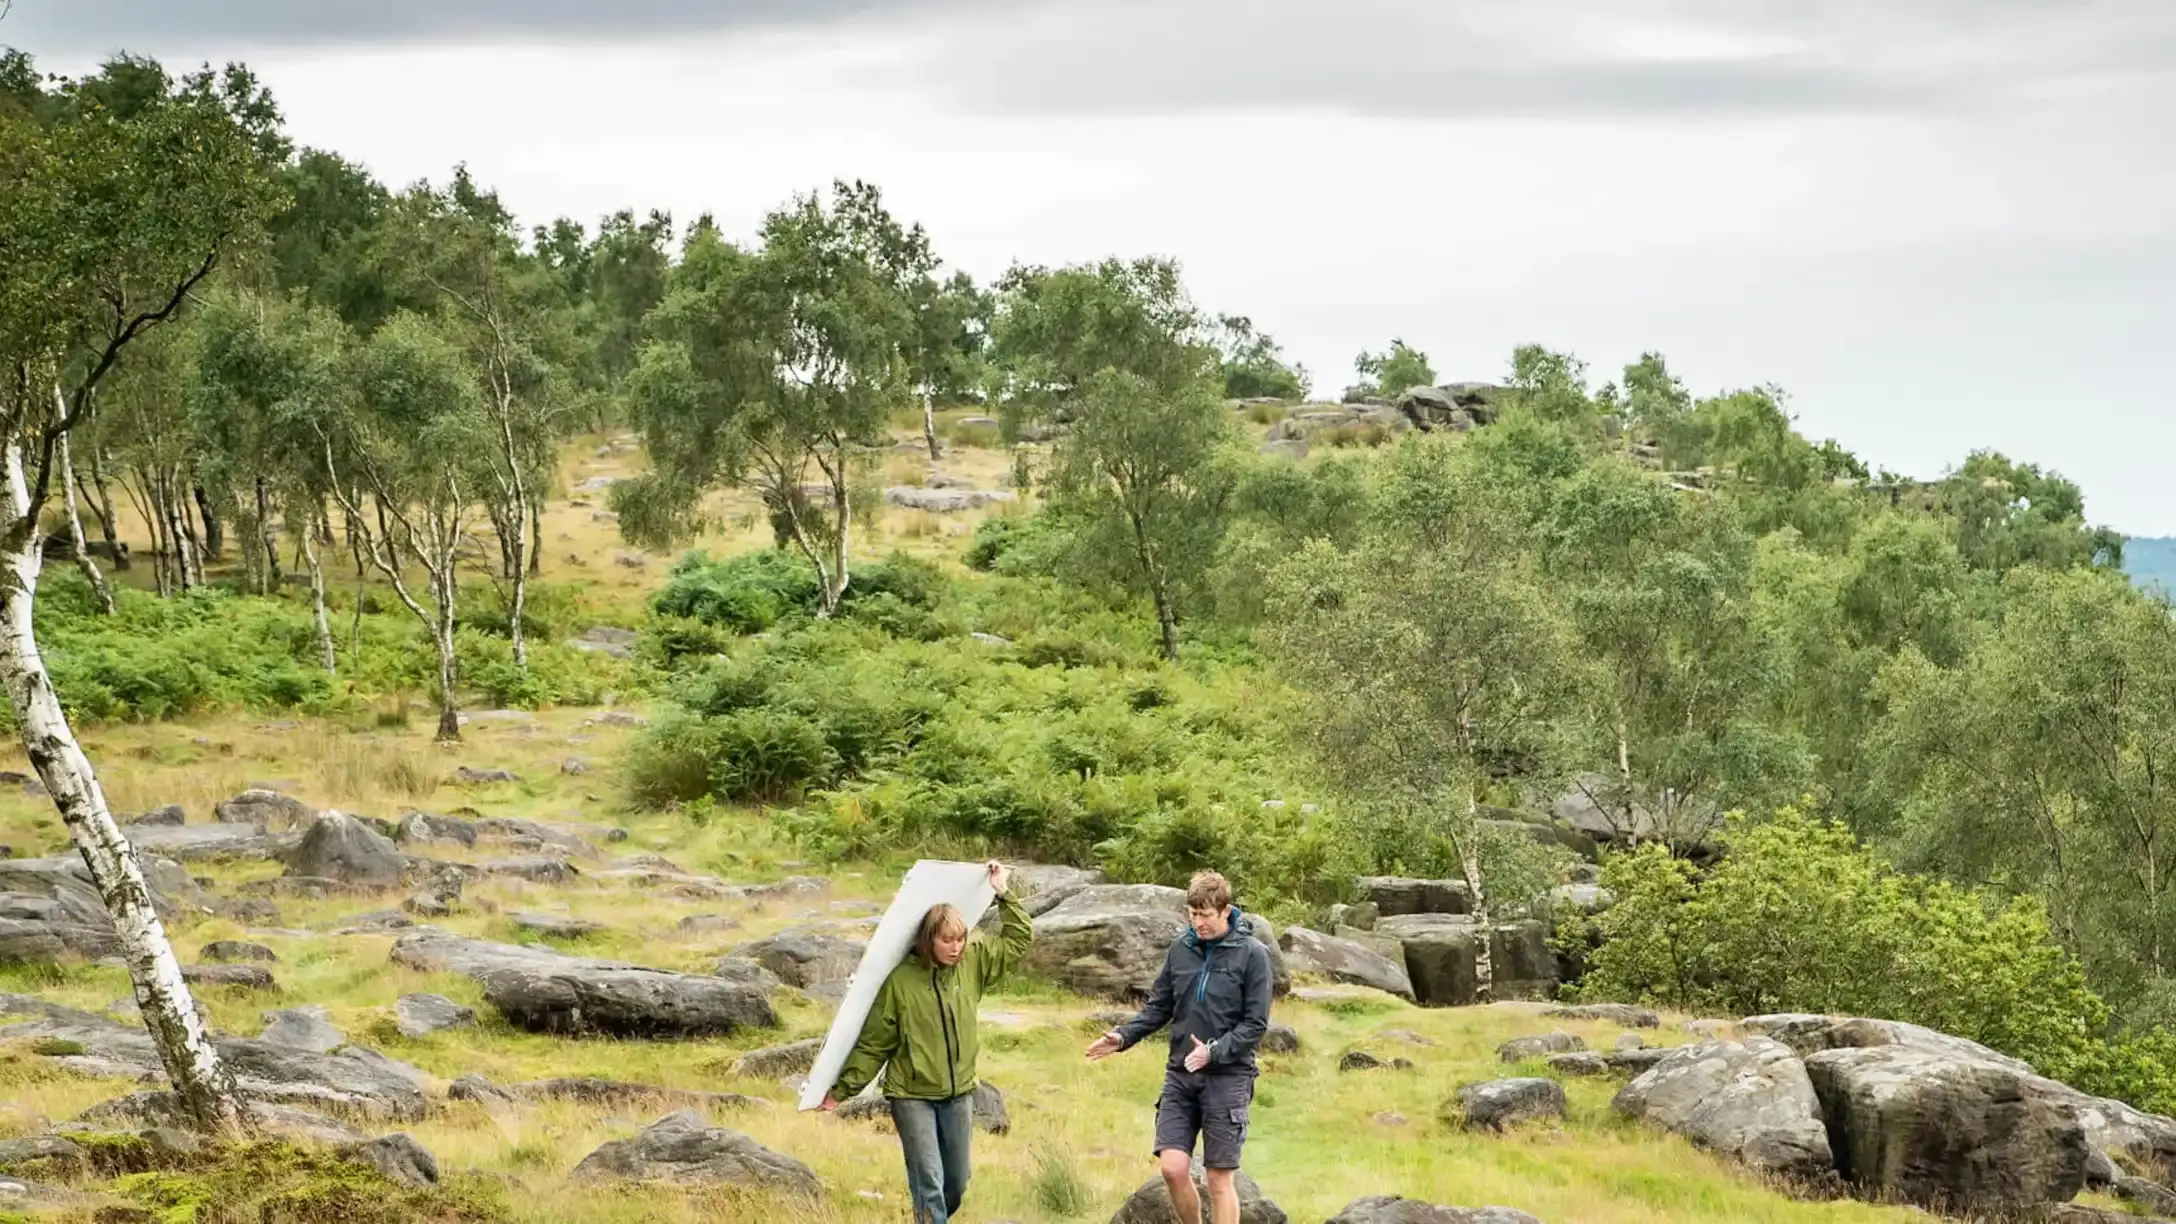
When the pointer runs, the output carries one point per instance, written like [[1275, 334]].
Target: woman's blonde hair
[[942, 919]]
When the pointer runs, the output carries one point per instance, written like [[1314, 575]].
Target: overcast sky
[[1939, 225]]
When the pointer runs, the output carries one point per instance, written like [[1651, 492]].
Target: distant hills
[[2151, 561]]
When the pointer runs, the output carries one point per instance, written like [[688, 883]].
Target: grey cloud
[[100, 26], [1548, 57]]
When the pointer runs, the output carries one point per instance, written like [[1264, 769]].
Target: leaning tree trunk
[[99, 589], [929, 425], [204, 1084], [270, 539], [101, 498], [215, 535]]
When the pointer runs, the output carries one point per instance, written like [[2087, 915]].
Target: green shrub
[[1798, 916]]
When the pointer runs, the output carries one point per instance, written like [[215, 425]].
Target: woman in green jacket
[[923, 1025]]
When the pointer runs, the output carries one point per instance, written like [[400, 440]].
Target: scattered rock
[[682, 1147], [1390, 1209], [268, 809], [400, 1158], [168, 816], [246, 977], [1151, 1204], [1581, 1063], [1536, 1047], [235, 951], [1638, 1061], [1280, 1039], [988, 1107], [470, 776], [1611, 1013], [420, 1015], [779, 1061], [1749, 1101], [807, 958], [747, 973], [57, 1150], [1362, 1060], [606, 640], [613, 1094], [708, 924], [556, 926], [547, 991], [574, 767], [630, 560], [1391, 1117], [537, 869], [2152, 1196], [1497, 1104], [944, 501], [302, 1028], [341, 848]]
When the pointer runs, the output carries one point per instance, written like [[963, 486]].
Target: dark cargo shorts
[[1212, 1105]]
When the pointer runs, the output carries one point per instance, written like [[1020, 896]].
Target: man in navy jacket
[[1214, 991]]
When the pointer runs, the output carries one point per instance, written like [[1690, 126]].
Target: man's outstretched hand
[[1198, 1057], [1105, 1046], [1000, 877]]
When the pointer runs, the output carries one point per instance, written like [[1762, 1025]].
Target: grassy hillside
[[1323, 1137]]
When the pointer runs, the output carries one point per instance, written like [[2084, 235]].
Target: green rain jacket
[[923, 1020]]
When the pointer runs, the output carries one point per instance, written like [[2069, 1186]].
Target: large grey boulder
[[1109, 940], [1043, 887], [1390, 1209], [1749, 1101], [1151, 1204], [339, 847], [1343, 960], [550, 992], [163, 1111], [64, 880], [684, 1148], [1539, 1046], [807, 958], [49, 939], [1442, 957], [1395, 895], [1521, 963], [214, 843], [1950, 1134], [1496, 1104]]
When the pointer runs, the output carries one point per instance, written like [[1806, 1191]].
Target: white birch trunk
[[317, 598], [449, 673], [99, 589], [193, 1066], [1469, 862], [929, 425]]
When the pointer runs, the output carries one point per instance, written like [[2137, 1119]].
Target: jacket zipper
[[944, 1024]]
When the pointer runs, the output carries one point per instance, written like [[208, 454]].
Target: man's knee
[[1220, 1180], [1175, 1165]]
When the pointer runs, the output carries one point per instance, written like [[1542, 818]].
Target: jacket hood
[[1236, 927]]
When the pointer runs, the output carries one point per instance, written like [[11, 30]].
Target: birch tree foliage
[[1117, 354], [1434, 659], [772, 367]]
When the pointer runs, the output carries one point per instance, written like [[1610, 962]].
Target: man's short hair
[[1208, 891]]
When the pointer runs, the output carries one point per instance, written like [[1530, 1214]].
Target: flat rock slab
[[236, 951], [398, 1158], [302, 1028], [214, 843], [246, 977], [1610, 1013], [163, 1110], [420, 1015], [589, 1090], [551, 992], [1390, 1209], [266, 808], [1750, 1101], [807, 958], [779, 1061], [684, 1148], [557, 926], [1541, 1046], [1345, 960], [1497, 1104]]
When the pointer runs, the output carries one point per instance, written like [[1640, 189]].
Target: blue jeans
[[934, 1135]]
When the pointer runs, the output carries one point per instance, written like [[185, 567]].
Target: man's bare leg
[[1223, 1196], [1178, 1170]]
